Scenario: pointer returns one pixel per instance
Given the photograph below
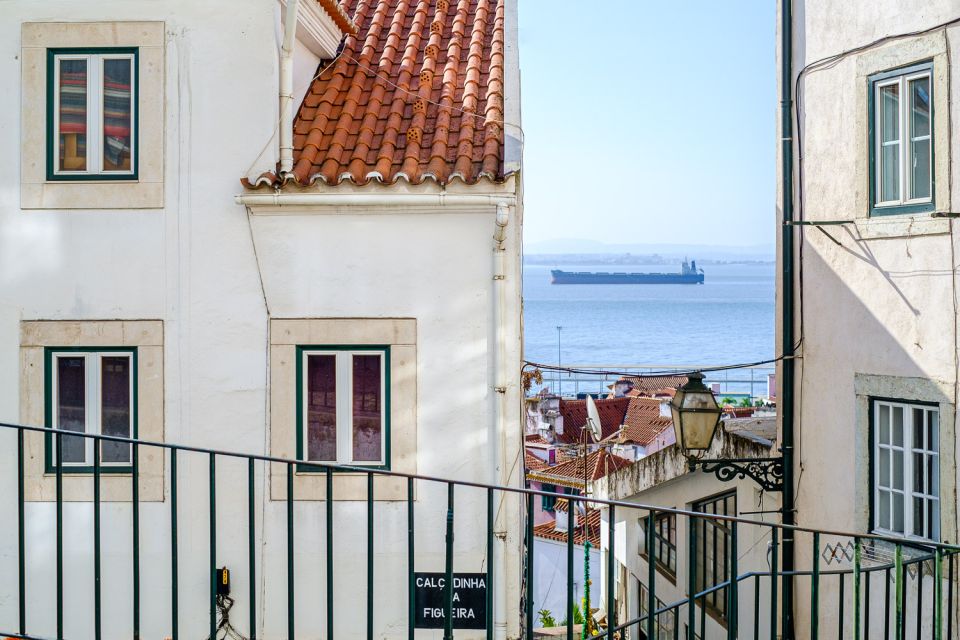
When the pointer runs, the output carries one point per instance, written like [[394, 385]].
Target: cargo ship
[[689, 274]]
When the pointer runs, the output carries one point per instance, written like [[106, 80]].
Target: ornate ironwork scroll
[[767, 472]]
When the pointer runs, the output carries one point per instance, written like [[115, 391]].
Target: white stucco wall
[[550, 578], [880, 304], [193, 265]]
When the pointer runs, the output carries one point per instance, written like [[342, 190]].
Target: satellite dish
[[593, 419]]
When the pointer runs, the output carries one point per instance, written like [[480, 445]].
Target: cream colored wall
[[216, 277], [877, 309]]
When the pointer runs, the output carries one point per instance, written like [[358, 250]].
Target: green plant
[[746, 402], [577, 617], [727, 401], [546, 618]]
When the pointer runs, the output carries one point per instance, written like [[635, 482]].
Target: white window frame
[[344, 406], [93, 398], [95, 113], [909, 448], [904, 140]]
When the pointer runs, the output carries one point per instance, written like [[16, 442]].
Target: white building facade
[[875, 312], [145, 292]]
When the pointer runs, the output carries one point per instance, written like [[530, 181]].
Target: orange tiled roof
[[574, 412], [339, 16], [570, 473], [416, 94], [548, 530], [642, 423], [532, 462], [656, 385]]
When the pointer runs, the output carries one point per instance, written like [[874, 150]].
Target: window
[[906, 469], [665, 542], [344, 405], [663, 622], [91, 390], [91, 113], [548, 503], [713, 550], [901, 141]]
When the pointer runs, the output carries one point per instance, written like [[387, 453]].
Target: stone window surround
[[147, 337], [930, 47], [286, 334], [868, 387], [36, 192]]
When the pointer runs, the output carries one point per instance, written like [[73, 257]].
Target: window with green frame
[[90, 390], [343, 405], [548, 503], [92, 113], [901, 140]]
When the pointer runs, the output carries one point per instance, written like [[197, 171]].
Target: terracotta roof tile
[[339, 16], [548, 530], [574, 412], [656, 385], [642, 422], [416, 94], [570, 473], [532, 462]]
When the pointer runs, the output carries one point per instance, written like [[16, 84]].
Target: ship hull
[[582, 277]]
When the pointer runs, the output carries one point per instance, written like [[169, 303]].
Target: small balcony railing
[[884, 587]]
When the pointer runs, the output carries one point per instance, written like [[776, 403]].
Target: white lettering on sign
[[458, 613]]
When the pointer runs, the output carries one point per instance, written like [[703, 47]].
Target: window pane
[[918, 511], [898, 426], [322, 408], [883, 500], [73, 115], [897, 513], [117, 74], [920, 107], [883, 478], [115, 406], [884, 412], [890, 113], [933, 435], [367, 409], [72, 405], [919, 486], [897, 480], [920, 168], [918, 428]]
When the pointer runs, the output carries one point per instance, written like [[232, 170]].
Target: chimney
[[622, 387]]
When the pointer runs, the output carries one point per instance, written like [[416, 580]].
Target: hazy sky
[[649, 121]]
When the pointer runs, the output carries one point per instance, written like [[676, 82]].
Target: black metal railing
[[883, 587]]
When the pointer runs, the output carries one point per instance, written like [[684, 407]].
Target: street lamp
[[696, 416]]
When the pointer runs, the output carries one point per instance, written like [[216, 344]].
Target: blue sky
[[649, 122]]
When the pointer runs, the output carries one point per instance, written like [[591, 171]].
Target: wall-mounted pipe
[[286, 87], [786, 401], [498, 428]]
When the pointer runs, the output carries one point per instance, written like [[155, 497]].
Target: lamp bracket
[[767, 472]]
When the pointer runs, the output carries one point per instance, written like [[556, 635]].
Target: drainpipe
[[786, 284], [498, 429], [286, 88]]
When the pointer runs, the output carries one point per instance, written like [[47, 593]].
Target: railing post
[[411, 565], [774, 563], [898, 578], [291, 564], [840, 618], [529, 597], [448, 569], [571, 526], [857, 551], [651, 573], [21, 541], [97, 601], [815, 590], [135, 498], [691, 578], [251, 546], [59, 536], [950, 579], [733, 606], [213, 543], [611, 544], [328, 496], [174, 564], [937, 595], [370, 585]]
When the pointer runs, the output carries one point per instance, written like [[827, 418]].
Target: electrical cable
[[656, 374], [224, 604]]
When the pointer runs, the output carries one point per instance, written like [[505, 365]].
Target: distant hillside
[[598, 252]]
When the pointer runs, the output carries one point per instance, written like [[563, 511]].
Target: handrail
[[909, 542]]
